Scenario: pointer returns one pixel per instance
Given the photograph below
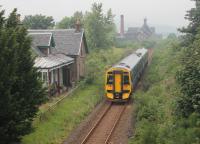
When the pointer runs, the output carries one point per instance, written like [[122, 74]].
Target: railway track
[[103, 129]]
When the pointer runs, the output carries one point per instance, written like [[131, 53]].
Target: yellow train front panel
[[118, 84]]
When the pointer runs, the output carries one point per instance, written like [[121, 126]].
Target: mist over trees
[[38, 22], [21, 91]]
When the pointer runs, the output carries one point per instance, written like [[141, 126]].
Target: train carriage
[[122, 78]]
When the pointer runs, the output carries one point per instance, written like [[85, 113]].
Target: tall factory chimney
[[122, 25]]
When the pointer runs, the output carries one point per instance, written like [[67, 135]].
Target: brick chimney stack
[[122, 25], [78, 26]]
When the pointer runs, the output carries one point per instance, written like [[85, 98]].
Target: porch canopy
[[52, 61]]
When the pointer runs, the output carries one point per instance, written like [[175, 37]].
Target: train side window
[[126, 79], [110, 79]]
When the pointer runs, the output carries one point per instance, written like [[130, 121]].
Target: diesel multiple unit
[[122, 78]]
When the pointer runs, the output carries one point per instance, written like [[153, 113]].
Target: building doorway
[[66, 76]]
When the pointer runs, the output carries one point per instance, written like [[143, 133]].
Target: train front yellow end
[[122, 78], [118, 85]]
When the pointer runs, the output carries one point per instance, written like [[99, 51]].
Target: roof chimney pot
[[78, 26]]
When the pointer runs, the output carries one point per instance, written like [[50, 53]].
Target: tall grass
[[157, 121], [65, 117], [155, 106]]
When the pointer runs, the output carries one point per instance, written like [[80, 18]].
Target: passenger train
[[122, 78]]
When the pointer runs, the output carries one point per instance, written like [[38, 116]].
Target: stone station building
[[60, 56]]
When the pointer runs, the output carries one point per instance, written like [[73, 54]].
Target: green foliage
[[187, 130], [58, 123], [155, 121], [100, 28], [38, 22], [69, 22], [121, 43], [188, 76], [189, 80], [148, 43], [100, 60], [21, 91], [193, 16], [172, 36], [65, 23]]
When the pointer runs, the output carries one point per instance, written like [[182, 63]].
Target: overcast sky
[[158, 12]]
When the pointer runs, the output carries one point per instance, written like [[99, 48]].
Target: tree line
[[99, 27]]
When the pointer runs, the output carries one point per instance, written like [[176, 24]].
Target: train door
[[66, 77], [118, 81], [118, 75]]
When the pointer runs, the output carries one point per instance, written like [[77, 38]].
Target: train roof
[[131, 61]]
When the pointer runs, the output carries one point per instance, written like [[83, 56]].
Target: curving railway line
[[102, 130]]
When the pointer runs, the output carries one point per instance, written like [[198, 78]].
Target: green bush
[[147, 131], [157, 121]]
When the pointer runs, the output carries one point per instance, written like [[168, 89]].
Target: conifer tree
[[21, 90]]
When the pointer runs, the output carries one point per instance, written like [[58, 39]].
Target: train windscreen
[[126, 79], [110, 79]]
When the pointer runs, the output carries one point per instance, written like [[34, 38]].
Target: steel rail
[[96, 124], [115, 124]]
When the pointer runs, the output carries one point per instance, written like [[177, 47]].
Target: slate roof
[[67, 40], [37, 51], [52, 61], [40, 39]]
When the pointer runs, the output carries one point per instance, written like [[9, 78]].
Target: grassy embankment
[[73, 109], [155, 102]]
